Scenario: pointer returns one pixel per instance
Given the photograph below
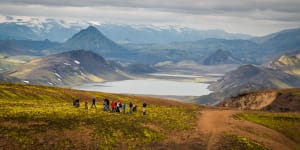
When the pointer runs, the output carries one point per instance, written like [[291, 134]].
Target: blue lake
[[149, 87]]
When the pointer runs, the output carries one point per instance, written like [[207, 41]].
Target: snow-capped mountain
[[61, 30]]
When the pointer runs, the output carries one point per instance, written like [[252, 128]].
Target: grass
[[285, 123], [43, 117], [234, 142]]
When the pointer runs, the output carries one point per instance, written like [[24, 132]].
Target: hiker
[[130, 107], [112, 106], [134, 109], [120, 106], [106, 104], [116, 106], [76, 103], [124, 107], [144, 108], [86, 104], [93, 103]]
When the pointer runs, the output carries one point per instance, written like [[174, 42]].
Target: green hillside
[[40, 117]]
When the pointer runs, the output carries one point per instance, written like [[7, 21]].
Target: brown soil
[[213, 124]]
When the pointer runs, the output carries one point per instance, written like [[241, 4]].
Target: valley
[[43, 117], [189, 88]]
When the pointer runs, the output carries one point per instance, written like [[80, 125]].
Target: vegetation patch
[[234, 142], [285, 123], [44, 118]]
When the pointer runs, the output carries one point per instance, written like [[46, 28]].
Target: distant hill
[[61, 30], [247, 51], [248, 78], [92, 39], [122, 33], [288, 64], [15, 31], [272, 100], [284, 40], [146, 44], [68, 68], [221, 57], [251, 77], [26, 47]]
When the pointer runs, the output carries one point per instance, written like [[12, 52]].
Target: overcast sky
[[256, 17]]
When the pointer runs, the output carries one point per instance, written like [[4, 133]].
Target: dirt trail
[[213, 123]]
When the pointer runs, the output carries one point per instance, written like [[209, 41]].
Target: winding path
[[213, 123]]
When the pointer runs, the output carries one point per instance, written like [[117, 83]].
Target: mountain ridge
[[221, 57], [282, 100], [69, 68]]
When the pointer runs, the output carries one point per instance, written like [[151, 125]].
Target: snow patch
[[50, 83], [25, 81], [77, 62], [58, 79], [57, 75], [67, 64]]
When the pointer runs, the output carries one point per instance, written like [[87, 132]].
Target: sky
[[254, 17]]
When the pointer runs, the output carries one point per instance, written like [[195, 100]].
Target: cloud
[[192, 6], [246, 16]]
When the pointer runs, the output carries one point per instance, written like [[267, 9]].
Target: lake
[[149, 87]]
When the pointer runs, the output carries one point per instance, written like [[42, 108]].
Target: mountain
[[150, 44], [68, 68], [273, 36], [26, 47], [279, 43], [16, 31], [272, 100], [248, 78], [38, 29], [60, 30], [92, 39], [221, 57], [288, 64], [246, 51], [284, 40], [122, 33]]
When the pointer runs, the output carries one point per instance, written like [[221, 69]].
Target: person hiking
[[130, 107], [86, 104], [124, 107], [106, 104], [112, 106], [94, 103], [144, 108], [76, 103], [134, 109], [120, 106], [116, 106]]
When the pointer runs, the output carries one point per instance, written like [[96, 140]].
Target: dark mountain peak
[[243, 72], [92, 28], [220, 57], [88, 33], [92, 31], [92, 39]]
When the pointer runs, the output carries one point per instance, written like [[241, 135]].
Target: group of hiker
[[113, 106]]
